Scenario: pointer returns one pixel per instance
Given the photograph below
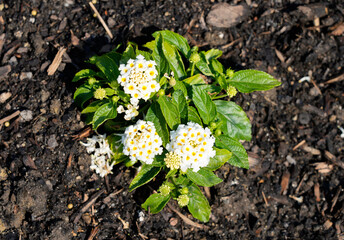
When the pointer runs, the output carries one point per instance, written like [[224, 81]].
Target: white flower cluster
[[130, 113], [141, 142], [101, 153], [138, 79], [193, 144]]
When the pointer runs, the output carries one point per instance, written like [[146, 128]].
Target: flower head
[[193, 144], [141, 142], [183, 200], [138, 78], [164, 189], [100, 159], [172, 160], [231, 91], [100, 93]]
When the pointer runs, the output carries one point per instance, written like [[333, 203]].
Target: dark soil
[[286, 194]]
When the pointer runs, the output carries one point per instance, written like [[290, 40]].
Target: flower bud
[[195, 58], [164, 190], [92, 81], [184, 190], [230, 73], [172, 81], [183, 200], [231, 91], [100, 93], [115, 99]]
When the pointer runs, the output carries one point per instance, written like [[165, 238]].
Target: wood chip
[[4, 71], [336, 79], [311, 150], [299, 145], [285, 183], [334, 200], [75, 40], [56, 62], [173, 222], [328, 224], [323, 167], [207, 192], [280, 55], [317, 192], [265, 200], [5, 96], [28, 162], [6, 119], [339, 30], [333, 159]]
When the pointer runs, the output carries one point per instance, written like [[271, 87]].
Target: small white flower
[[140, 57], [141, 142], [120, 109], [193, 144]]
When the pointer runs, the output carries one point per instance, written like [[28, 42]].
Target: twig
[[265, 200], [186, 219], [299, 145], [207, 192], [85, 133], [231, 43], [87, 205], [93, 233], [6, 119], [299, 186], [333, 159], [336, 79], [56, 62], [334, 200], [101, 20], [316, 87]]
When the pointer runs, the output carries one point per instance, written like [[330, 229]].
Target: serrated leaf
[[115, 56], [235, 121], [146, 174], [109, 91], [203, 65], [103, 113], [83, 94], [159, 57], [150, 45], [216, 67], [180, 86], [108, 66], [175, 39], [129, 53], [174, 59], [195, 79], [204, 104], [170, 112], [198, 204], [222, 156], [155, 116], [178, 98], [85, 73], [247, 81], [203, 177], [193, 116], [239, 155], [155, 203], [145, 54], [213, 54], [92, 107]]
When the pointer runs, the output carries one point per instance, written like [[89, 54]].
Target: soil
[[291, 191]]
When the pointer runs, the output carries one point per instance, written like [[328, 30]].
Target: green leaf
[[174, 60], [222, 81], [129, 162], [180, 86], [203, 177], [203, 65], [103, 113], [178, 98], [115, 56], [92, 107], [83, 94], [150, 45], [213, 54], [146, 55], [222, 156], [110, 91], [198, 204], [236, 123], [116, 147], [155, 116], [216, 67], [108, 66], [175, 39], [171, 173], [159, 57], [239, 155], [204, 104], [247, 81], [155, 203], [129, 53], [195, 79], [146, 174], [85, 73], [193, 116], [209, 88], [170, 112]]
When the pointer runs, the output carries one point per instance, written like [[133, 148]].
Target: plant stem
[[192, 69], [218, 97]]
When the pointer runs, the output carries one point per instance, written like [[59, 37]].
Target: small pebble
[[34, 12], [304, 118], [52, 143], [13, 61], [70, 206], [7, 124], [26, 115]]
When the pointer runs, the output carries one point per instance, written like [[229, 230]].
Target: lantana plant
[[167, 110]]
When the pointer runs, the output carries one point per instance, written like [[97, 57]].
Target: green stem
[[218, 97], [192, 69]]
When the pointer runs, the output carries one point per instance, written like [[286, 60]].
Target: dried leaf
[[56, 62]]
